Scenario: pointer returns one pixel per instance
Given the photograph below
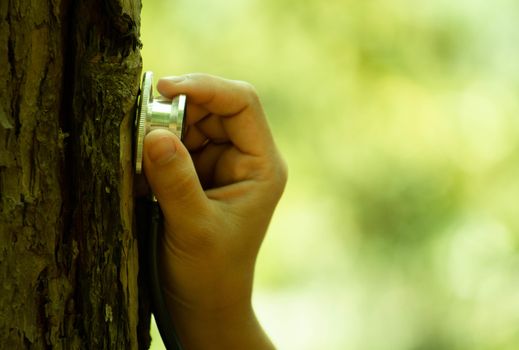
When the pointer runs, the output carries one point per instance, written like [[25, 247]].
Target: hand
[[217, 191]]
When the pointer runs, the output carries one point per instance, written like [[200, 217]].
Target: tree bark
[[69, 78]]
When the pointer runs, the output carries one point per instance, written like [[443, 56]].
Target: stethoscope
[[157, 113]]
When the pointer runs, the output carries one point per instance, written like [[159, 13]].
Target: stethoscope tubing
[[160, 310]]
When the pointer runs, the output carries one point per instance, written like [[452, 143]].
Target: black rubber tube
[[159, 307]]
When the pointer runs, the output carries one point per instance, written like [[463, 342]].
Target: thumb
[[172, 177]]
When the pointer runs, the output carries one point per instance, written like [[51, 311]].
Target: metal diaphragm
[[156, 113]]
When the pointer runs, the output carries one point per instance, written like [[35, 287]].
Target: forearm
[[237, 328]]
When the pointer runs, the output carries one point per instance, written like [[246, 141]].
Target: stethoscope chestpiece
[[156, 113]]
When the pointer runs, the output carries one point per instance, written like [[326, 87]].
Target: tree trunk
[[69, 76]]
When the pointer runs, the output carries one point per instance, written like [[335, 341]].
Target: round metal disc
[[144, 102]]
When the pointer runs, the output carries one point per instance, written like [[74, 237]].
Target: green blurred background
[[398, 120]]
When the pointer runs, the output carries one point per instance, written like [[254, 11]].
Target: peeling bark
[[69, 77]]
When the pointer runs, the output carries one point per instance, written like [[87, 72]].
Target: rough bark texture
[[69, 75]]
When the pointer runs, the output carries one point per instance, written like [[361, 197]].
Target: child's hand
[[217, 191]]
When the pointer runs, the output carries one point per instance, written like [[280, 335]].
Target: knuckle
[[281, 175], [277, 176], [195, 76], [250, 91], [283, 171]]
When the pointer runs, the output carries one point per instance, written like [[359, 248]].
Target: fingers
[[205, 163], [243, 120], [220, 96], [209, 128], [172, 177]]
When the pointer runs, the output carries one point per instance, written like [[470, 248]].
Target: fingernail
[[175, 79], [163, 151]]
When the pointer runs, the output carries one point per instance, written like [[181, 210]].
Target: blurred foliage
[[398, 119]]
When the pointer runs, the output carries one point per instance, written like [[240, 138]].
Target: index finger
[[236, 102]]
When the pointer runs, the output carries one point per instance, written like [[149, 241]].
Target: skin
[[218, 192]]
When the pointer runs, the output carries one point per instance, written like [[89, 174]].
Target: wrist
[[232, 327]]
